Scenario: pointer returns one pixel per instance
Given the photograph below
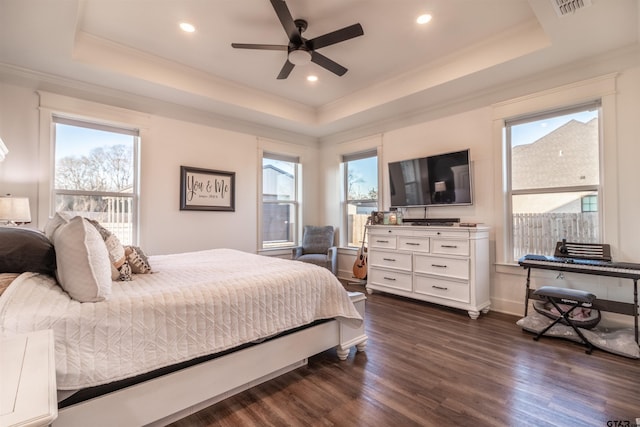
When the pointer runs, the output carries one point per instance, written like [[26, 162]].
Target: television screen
[[443, 179]]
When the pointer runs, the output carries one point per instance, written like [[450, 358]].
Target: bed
[[195, 329]]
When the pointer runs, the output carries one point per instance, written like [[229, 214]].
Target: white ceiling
[[135, 46]]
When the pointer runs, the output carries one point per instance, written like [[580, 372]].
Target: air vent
[[567, 7]]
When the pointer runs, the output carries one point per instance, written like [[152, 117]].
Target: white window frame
[[51, 105], [510, 192], [296, 203], [346, 158], [603, 88]]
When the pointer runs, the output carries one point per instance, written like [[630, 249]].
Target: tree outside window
[[361, 182], [95, 174]]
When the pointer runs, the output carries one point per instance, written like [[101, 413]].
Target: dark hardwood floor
[[426, 365]]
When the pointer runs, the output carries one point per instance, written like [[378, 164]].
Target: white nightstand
[[28, 380]]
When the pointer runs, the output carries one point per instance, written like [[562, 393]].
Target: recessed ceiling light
[[187, 28], [423, 19], [312, 78]]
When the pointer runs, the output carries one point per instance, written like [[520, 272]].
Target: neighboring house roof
[[276, 182], [566, 157], [277, 170]]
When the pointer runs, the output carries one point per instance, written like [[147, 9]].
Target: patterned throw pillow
[[120, 268], [137, 260]]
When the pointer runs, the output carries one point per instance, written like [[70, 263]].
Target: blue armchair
[[317, 247]]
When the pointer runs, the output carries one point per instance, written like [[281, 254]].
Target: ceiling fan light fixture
[[300, 57], [423, 19], [187, 27]]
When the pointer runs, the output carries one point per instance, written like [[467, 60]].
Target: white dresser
[[440, 264]]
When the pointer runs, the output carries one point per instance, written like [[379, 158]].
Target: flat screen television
[[440, 180]]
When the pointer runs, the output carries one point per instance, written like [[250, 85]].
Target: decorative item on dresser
[[440, 264]]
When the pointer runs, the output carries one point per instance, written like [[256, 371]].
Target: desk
[[627, 271], [28, 380]]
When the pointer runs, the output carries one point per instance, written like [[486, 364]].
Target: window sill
[[509, 268], [277, 252], [348, 249]]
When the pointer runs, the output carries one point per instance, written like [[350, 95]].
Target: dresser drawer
[[382, 241], [450, 246], [450, 267], [441, 288], [390, 259], [390, 278], [415, 244], [453, 233]]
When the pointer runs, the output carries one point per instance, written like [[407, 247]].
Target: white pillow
[[84, 267], [60, 218]]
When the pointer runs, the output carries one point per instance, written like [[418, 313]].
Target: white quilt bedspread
[[193, 304]]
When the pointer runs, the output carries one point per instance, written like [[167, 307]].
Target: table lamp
[[440, 188], [14, 210]]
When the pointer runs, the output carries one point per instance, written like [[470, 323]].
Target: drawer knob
[[442, 288], [389, 278], [382, 241], [438, 265], [389, 259], [413, 244], [450, 246]]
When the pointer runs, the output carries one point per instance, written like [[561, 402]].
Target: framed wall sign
[[207, 190]]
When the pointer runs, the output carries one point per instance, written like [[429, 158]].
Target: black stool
[[574, 298]]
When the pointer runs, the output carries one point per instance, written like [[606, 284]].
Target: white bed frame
[[171, 397]]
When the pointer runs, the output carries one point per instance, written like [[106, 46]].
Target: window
[[590, 203], [554, 179], [361, 189], [280, 204], [95, 174]]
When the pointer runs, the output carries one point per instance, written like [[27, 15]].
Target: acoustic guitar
[[360, 266]]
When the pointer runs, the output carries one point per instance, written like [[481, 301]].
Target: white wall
[[19, 172], [169, 143], [470, 130], [166, 144], [628, 163]]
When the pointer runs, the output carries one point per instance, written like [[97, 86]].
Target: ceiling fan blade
[[287, 21], [334, 37], [286, 70], [259, 46], [325, 62]]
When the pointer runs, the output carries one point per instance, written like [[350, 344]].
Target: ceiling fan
[[301, 51]]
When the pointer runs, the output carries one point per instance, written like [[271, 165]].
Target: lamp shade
[[440, 186], [15, 209], [300, 57]]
